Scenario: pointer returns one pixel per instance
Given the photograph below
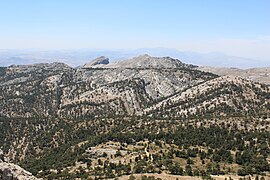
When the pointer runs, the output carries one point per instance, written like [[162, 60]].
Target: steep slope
[[31, 90], [125, 88], [125, 91], [41, 90], [132, 87], [223, 96]]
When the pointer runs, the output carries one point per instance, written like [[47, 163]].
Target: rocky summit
[[102, 60], [146, 61]]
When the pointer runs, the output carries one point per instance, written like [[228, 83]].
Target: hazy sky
[[235, 27]]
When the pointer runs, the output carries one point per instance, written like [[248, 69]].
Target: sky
[[235, 27]]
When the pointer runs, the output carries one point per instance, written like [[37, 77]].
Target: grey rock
[[10, 171], [100, 60]]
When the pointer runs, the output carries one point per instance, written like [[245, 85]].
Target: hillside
[[142, 115], [223, 96], [123, 88], [261, 75], [27, 91]]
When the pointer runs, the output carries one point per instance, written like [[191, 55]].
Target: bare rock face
[[10, 171], [100, 60]]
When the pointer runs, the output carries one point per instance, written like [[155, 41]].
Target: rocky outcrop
[[10, 171], [102, 60]]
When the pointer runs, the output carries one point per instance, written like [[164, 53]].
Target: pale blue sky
[[236, 27]]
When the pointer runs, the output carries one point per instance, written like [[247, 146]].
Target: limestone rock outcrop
[[10, 171]]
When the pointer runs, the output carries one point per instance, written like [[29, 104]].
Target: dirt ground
[[174, 177]]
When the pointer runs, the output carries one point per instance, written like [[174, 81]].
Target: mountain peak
[[100, 60], [144, 56], [147, 61]]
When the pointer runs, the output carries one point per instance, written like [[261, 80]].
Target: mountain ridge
[[121, 88], [256, 74]]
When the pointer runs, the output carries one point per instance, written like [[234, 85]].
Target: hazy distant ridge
[[80, 56]]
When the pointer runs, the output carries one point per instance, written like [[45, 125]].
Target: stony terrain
[[10, 171], [135, 86], [104, 120]]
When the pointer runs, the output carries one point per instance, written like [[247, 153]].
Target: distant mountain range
[[76, 57]]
